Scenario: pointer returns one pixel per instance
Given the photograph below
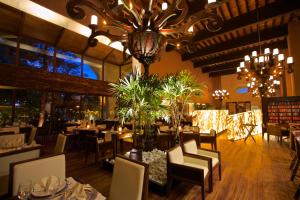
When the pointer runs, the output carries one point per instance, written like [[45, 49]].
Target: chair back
[[32, 135], [212, 132], [129, 180], [185, 136], [274, 129], [34, 170], [175, 155], [190, 147], [60, 143], [14, 129], [164, 128]]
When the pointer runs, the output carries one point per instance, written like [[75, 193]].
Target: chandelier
[[220, 94], [143, 26], [263, 72]]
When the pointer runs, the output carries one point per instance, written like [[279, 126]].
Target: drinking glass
[[24, 190]]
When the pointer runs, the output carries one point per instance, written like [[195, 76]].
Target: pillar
[[293, 81]]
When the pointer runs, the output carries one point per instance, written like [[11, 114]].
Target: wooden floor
[[250, 171]]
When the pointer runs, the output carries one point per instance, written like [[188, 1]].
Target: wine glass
[[24, 190]]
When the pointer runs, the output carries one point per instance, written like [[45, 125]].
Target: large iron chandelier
[[142, 26], [263, 72]]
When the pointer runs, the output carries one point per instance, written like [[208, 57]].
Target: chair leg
[[212, 146], [293, 162], [295, 169], [210, 182], [220, 172], [202, 192], [280, 140], [268, 137]]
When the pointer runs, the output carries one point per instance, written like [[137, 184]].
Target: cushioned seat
[[188, 167], [191, 148]]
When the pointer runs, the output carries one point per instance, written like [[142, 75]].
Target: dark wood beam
[[280, 7], [30, 78], [226, 66], [221, 73], [243, 41], [219, 60]]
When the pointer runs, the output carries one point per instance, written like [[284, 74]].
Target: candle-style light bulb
[[242, 64], [254, 53], [238, 69], [281, 57], [94, 20], [261, 59], [164, 6], [267, 51], [191, 29], [290, 60], [275, 51], [247, 58], [211, 1]]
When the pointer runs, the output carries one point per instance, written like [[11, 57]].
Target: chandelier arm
[[92, 41], [184, 11], [75, 10], [133, 11], [167, 14]]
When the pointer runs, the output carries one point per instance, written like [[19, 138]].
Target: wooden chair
[[274, 129], [211, 139], [191, 147], [32, 135], [98, 146], [186, 136], [188, 167], [35, 169], [164, 141], [129, 180], [60, 143]]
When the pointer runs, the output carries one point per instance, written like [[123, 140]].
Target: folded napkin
[[47, 184], [77, 192]]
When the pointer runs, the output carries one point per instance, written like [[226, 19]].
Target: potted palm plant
[[177, 90], [139, 100]]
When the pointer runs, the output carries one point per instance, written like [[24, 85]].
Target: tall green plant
[[177, 90], [139, 99]]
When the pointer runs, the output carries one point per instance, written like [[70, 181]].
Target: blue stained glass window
[[242, 90], [92, 69], [7, 50], [35, 54], [68, 63]]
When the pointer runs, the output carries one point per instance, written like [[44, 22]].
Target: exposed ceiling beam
[[229, 65], [270, 11], [267, 34], [207, 65], [221, 73]]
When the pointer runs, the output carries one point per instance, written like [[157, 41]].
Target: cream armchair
[[191, 148], [35, 169], [188, 167], [129, 180]]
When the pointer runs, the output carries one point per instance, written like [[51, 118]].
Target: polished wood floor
[[250, 171]]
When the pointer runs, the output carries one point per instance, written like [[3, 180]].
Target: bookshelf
[[281, 109]]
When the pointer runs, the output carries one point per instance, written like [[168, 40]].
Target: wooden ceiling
[[219, 53], [16, 22]]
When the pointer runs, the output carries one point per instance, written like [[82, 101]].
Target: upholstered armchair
[[191, 147], [274, 129], [34, 170], [129, 180], [188, 167]]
